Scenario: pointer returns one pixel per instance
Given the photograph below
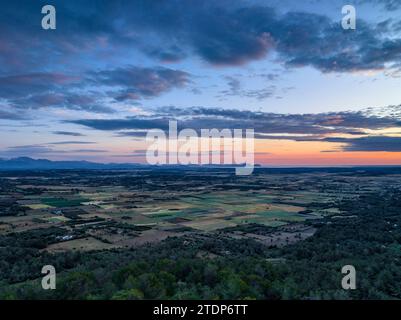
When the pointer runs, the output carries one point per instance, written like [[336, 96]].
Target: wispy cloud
[[235, 89], [43, 150], [71, 142], [69, 133]]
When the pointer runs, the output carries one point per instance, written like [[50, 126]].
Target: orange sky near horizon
[[296, 153], [268, 152], [331, 159]]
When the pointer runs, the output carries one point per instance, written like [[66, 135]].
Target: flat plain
[[90, 210]]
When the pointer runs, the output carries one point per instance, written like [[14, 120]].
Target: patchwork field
[[125, 209]]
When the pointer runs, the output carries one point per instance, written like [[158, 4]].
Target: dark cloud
[[71, 142], [219, 32], [135, 134], [54, 90], [89, 151], [299, 138], [140, 82], [27, 84], [351, 123], [271, 126], [166, 55], [369, 143], [233, 35], [89, 102], [69, 133], [6, 115], [123, 124]]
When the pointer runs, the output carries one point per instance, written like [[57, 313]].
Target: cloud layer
[[219, 32], [323, 127], [90, 35], [92, 92], [107, 56]]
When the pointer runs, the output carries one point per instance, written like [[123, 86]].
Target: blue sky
[[115, 67]]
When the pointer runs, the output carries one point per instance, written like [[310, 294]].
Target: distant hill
[[26, 163]]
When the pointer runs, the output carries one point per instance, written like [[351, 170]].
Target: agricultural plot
[[85, 244], [114, 210], [62, 202]]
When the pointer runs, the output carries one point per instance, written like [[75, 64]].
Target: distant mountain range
[[26, 163]]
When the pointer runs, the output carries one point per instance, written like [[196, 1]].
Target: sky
[[315, 94]]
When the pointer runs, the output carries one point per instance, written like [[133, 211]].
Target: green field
[[61, 202]]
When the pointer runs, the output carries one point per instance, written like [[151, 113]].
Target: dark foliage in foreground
[[369, 238]]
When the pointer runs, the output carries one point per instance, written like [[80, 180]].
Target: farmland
[[119, 209], [208, 219], [124, 209]]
